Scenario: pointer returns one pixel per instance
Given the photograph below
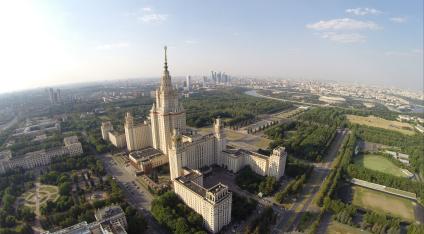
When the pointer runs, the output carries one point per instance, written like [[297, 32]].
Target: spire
[[166, 78], [166, 60]]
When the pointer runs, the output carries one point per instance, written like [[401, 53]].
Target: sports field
[[379, 163], [339, 228], [377, 122], [383, 203]]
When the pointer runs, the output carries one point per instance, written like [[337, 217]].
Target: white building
[[72, 147], [137, 136], [235, 159], [117, 139], [147, 158], [166, 134], [213, 204], [109, 220], [106, 128]]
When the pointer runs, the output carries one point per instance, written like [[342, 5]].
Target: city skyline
[[58, 43]]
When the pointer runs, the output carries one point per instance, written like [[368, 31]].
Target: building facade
[[106, 128], [213, 204], [72, 147], [109, 220], [137, 136], [117, 139], [187, 151]]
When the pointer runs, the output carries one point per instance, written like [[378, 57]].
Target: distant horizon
[[83, 83], [48, 43]]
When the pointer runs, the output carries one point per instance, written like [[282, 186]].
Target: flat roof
[[239, 152], [216, 188], [145, 153], [196, 188]]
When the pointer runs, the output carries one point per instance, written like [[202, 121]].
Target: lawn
[[379, 163], [377, 122], [46, 192], [339, 228], [383, 203]]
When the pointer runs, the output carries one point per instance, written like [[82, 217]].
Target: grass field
[[379, 163], [339, 228], [383, 203], [377, 122], [235, 137]]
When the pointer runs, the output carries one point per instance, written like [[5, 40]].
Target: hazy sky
[[55, 42]]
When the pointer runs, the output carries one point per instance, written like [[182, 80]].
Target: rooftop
[[145, 153], [79, 228], [70, 140], [216, 188], [195, 188], [108, 212]]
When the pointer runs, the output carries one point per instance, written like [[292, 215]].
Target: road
[[137, 195], [291, 219]]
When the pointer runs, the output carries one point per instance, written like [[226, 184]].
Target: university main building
[[165, 138]]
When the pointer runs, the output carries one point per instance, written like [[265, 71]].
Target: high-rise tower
[[166, 114]]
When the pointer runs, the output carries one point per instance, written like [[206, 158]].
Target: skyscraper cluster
[[188, 82], [220, 77], [54, 96]]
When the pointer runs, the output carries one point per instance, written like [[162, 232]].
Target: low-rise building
[[147, 158], [235, 159], [404, 158], [72, 147], [109, 220], [419, 128]]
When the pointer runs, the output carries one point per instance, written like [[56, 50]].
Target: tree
[[26, 214], [65, 188]]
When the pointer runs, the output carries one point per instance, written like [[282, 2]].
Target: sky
[[46, 43]]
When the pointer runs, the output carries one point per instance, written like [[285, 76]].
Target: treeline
[[371, 221], [315, 130], [339, 165], [242, 207], [309, 141], [355, 171], [324, 195], [278, 132], [411, 145], [171, 212], [294, 186], [12, 185], [235, 107], [325, 116], [254, 183], [262, 223]]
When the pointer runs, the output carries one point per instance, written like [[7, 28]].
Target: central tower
[[167, 113]]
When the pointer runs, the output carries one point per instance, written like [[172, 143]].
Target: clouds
[[363, 11], [398, 19], [343, 30], [345, 38], [148, 15], [153, 18], [342, 24]]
